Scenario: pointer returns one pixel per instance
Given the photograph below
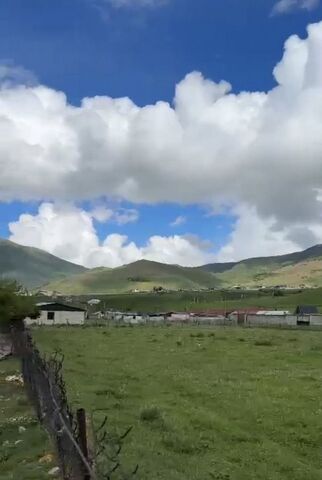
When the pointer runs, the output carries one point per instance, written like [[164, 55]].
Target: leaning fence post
[[81, 421]]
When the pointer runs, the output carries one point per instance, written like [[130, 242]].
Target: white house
[[55, 313]]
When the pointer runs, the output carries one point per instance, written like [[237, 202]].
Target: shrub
[[150, 414], [14, 308]]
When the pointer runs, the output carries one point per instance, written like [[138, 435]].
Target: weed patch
[[150, 414]]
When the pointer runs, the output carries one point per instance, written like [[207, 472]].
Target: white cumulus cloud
[[178, 221], [121, 216], [286, 6], [69, 233], [261, 150], [12, 75]]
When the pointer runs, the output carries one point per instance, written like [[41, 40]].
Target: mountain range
[[36, 268]]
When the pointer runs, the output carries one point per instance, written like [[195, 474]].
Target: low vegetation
[[25, 452], [235, 404], [14, 308]]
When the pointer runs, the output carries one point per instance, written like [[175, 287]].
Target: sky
[[173, 130]]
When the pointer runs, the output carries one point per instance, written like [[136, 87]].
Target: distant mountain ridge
[[293, 269], [32, 267], [295, 257]]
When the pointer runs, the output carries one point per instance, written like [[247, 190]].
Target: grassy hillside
[[292, 270], [32, 267], [141, 275], [235, 404], [307, 273]]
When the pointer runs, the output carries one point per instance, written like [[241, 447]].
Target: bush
[[14, 308], [150, 414]]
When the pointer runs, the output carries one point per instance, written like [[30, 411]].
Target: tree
[[14, 307]]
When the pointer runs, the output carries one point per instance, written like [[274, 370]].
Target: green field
[[198, 301], [23, 455], [225, 404]]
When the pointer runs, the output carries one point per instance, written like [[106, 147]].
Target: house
[[177, 316], [240, 316], [156, 316], [306, 310], [54, 313], [133, 318]]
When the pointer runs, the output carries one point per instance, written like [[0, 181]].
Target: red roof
[[213, 312]]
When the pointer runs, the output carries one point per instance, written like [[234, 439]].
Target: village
[[55, 313]]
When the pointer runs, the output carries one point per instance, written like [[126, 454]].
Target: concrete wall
[[316, 320], [280, 320], [283, 320], [186, 319], [61, 318]]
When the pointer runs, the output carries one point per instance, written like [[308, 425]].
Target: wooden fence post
[[81, 421]]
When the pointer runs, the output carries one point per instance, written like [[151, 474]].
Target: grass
[[199, 301], [241, 404], [24, 454]]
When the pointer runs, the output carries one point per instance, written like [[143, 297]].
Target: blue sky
[[142, 53], [89, 48]]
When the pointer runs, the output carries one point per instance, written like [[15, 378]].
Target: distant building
[[306, 310], [54, 313], [273, 312]]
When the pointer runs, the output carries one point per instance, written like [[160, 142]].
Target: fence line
[[46, 390]]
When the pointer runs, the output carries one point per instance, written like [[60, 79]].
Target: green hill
[[142, 275], [293, 269], [32, 267]]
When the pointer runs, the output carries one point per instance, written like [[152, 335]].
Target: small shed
[[306, 310], [54, 313]]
